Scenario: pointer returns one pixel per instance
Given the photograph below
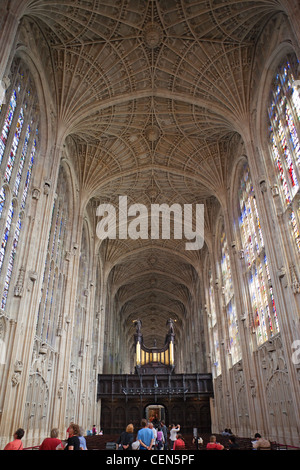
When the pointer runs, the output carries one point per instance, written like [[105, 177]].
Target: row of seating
[[106, 442]]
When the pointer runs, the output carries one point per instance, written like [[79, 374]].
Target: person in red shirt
[[16, 444], [213, 444], [179, 444], [50, 443]]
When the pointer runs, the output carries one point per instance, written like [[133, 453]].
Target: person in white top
[[154, 432], [173, 434]]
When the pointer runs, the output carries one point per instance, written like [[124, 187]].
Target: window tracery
[[54, 276], [213, 326], [19, 140], [233, 346], [264, 315], [284, 134], [81, 298]]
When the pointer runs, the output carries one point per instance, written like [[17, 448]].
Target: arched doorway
[[155, 413]]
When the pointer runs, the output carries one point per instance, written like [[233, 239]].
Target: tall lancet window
[[213, 326], [284, 137], [233, 345], [48, 322], [81, 299], [264, 316], [19, 141]]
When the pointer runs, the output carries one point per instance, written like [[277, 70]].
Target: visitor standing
[[154, 434], [173, 434], [159, 439], [179, 444], [126, 438], [145, 436], [165, 434]]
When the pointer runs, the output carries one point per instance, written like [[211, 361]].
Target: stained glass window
[[294, 222], [233, 345], [264, 316], [284, 121], [81, 297], [7, 123], [213, 328], [18, 125], [53, 278], [15, 143], [11, 263], [2, 200], [5, 235]]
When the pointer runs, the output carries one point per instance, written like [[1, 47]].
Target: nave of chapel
[[167, 102]]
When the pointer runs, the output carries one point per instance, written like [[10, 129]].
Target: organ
[[155, 390], [153, 359]]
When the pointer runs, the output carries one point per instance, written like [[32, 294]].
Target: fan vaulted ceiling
[[152, 95]]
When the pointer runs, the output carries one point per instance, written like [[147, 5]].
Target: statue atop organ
[[154, 360]]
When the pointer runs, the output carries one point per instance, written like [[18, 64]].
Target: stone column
[[101, 339], [87, 351], [66, 339]]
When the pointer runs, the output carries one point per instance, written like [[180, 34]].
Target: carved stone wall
[[281, 414], [159, 101]]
